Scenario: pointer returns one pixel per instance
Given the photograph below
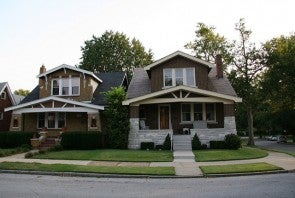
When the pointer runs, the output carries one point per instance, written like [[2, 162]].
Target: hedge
[[217, 145], [147, 145], [12, 139], [82, 140], [233, 141]]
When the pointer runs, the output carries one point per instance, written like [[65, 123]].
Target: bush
[[203, 146], [12, 139], [147, 145], [232, 141], [217, 145], [196, 143], [56, 148], [29, 155], [159, 147], [167, 143], [81, 140]]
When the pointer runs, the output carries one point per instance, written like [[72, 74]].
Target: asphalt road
[[276, 185], [275, 145]]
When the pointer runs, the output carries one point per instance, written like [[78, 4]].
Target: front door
[[164, 117]]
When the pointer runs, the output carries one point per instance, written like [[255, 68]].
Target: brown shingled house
[[180, 94]]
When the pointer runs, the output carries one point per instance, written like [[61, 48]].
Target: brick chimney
[[219, 70], [42, 69]]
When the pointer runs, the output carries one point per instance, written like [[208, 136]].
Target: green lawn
[[110, 155], [12, 151], [87, 169], [239, 168], [224, 154]]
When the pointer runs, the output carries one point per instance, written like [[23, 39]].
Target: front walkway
[[182, 167]]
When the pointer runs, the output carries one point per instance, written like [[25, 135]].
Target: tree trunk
[[250, 126]]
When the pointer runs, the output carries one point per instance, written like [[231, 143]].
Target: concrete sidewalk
[[182, 167]]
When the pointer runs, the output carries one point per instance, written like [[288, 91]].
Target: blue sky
[[51, 32]]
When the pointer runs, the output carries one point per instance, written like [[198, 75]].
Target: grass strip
[[225, 154], [239, 168], [12, 151], [110, 155], [292, 153], [87, 169]]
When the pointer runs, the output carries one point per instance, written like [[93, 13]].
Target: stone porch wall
[[207, 135], [137, 136]]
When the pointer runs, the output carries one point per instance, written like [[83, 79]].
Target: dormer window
[[66, 86], [179, 76]]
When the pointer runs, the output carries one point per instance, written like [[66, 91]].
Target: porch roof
[[76, 106], [211, 95]]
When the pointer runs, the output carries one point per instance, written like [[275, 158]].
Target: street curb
[[100, 175]]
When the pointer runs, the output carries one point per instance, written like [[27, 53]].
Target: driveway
[[275, 145]]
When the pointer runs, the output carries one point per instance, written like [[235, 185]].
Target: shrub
[[203, 146], [167, 143], [29, 155], [196, 143], [56, 148], [217, 145], [12, 139], [159, 147], [81, 140], [232, 141], [42, 151], [147, 145]]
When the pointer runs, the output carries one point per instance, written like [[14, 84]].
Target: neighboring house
[[7, 99], [66, 98], [180, 94]]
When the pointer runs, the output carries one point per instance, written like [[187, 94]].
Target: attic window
[[179, 76], [3, 95], [66, 87]]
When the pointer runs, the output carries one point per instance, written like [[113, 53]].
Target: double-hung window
[[179, 76], [3, 95], [198, 111], [66, 86], [51, 120]]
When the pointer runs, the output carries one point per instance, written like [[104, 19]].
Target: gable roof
[[33, 95], [64, 66], [110, 79], [4, 85], [140, 84], [178, 53], [54, 98], [184, 88], [18, 98]]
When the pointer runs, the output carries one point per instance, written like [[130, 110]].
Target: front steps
[[48, 143], [182, 143]]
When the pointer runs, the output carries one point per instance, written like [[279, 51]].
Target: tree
[[21, 92], [113, 51], [278, 82], [117, 115], [208, 44], [247, 62]]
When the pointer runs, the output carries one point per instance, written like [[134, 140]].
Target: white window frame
[[1, 115], [203, 112], [55, 120], [184, 76], [3, 95], [60, 84]]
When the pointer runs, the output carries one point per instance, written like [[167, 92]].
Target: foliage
[[196, 143], [22, 92], [118, 118], [167, 143], [232, 141], [81, 140], [217, 145], [208, 44], [12, 139], [12, 151], [113, 51], [147, 145], [204, 146]]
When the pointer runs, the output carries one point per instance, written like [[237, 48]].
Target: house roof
[[4, 85], [64, 66], [52, 98], [184, 88], [18, 98], [178, 53], [140, 84], [110, 79]]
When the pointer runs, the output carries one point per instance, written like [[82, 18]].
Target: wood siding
[[87, 85], [201, 72]]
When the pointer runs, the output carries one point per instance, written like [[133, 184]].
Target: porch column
[[229, 118], [16, 122], [133, 139], [94, 123]]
